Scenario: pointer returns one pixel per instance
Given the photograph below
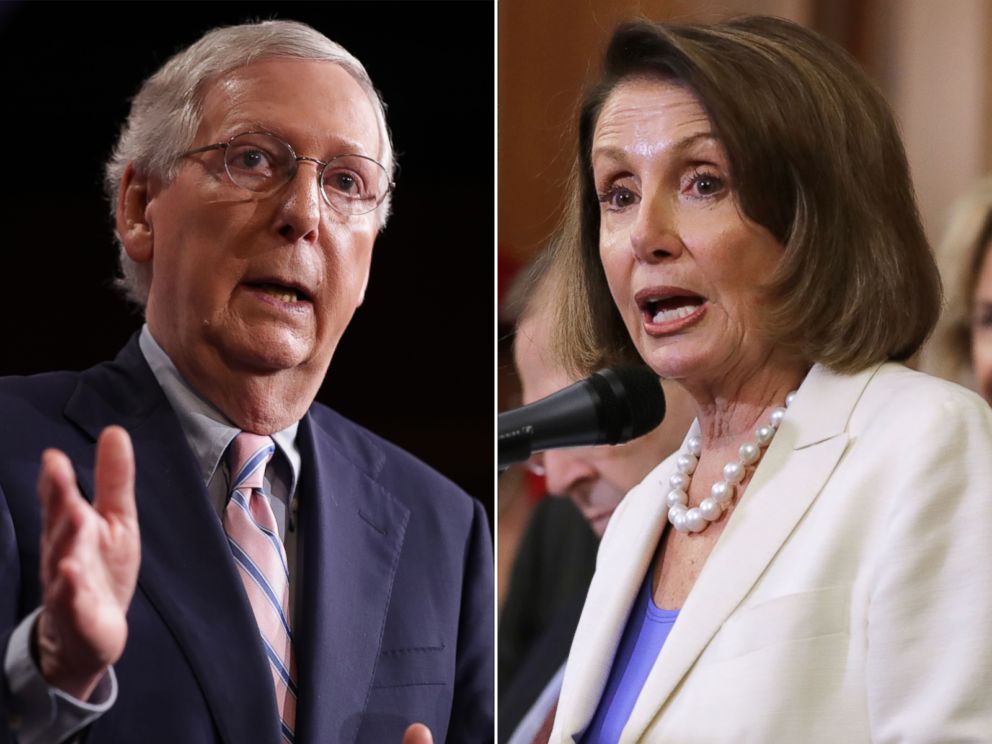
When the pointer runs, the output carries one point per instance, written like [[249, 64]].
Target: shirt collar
[[207, 430]]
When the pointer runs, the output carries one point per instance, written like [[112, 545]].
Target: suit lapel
[[353, 532], [187, 573], [792, 473]]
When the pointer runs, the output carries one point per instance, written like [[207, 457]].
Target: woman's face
[[981, 327], [683, 265]]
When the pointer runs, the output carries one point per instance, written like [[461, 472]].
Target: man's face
[[260, 287]]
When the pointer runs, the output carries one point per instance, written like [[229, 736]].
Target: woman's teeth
[[663, 316]]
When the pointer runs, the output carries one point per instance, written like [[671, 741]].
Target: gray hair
[[166, 112]]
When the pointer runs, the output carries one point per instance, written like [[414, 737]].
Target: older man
[[300, 579]]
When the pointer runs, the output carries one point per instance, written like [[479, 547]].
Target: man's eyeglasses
[[261, 162]]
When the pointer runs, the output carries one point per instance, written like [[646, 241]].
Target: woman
[[961, 348], [820, 561]]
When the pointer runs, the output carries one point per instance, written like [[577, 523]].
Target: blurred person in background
[[815, 564], [961, 346], [556, 558]]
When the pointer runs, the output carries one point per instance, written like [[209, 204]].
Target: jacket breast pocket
[[782, 620], [417, 665]]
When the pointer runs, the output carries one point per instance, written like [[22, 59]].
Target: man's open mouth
[[282, 292]]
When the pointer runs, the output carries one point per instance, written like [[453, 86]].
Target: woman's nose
[[654, 234]]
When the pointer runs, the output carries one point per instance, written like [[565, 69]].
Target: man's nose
[[567, 469], [300, 204]]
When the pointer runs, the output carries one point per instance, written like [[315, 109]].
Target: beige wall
[[931, 61]]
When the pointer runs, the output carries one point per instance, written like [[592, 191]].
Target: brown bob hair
[[816, 159]]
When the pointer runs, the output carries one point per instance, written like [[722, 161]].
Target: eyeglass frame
[[390, 185]]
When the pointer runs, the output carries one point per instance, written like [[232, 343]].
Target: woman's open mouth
[[665, 311]]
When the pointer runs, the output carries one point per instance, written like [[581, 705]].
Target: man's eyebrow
[[239, 126], [615, 152], [336, 144], [346, 145]]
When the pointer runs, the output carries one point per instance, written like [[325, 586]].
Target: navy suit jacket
[[394, 608]]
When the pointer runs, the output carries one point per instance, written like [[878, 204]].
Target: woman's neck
[[731, 408]]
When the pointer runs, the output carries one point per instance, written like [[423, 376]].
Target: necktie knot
[[247, 457]]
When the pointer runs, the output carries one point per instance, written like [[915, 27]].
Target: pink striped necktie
[[253, 536]]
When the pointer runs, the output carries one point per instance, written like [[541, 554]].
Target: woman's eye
[[617, 197], [705, 184]]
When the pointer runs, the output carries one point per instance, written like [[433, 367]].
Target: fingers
[[58, 493], [65, 513], [64, 535], [56, 480], [114, 475], [417, 733]]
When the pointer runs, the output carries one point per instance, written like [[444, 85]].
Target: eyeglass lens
[[352, 184]]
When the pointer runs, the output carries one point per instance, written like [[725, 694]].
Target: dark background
[[416, 364]]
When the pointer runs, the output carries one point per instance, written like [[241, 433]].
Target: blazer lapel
[[622, 562], [187, 573], [352, 538], [792, 473]]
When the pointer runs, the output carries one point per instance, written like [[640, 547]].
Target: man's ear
[[368, 272], [365, 286], [133, 221]]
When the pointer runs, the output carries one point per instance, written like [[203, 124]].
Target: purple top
[[647, 628]]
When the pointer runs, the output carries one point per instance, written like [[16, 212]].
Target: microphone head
[[633, 402], [610, 407]]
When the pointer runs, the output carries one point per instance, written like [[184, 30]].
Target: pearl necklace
[[698, 518]]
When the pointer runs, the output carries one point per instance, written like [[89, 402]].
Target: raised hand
[[417, 733], [89, 565]]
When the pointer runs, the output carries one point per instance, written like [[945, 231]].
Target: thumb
[[114, 476], [418, 733]]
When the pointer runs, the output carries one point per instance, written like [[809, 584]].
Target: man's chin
[[266, 351], [265, 388]]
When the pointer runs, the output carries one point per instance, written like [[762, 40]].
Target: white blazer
[[849, 598]]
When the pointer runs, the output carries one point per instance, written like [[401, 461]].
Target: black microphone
[[610, 407]]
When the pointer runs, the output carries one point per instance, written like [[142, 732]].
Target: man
[[300, 579], [549, 582]]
